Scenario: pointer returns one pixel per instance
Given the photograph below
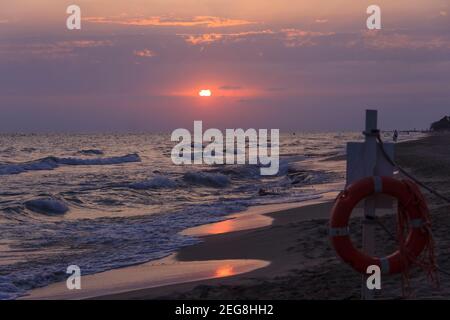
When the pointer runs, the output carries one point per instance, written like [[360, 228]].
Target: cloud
[[206, 38], [289, 37], [85, 43], [382, 41], [443, 13], [227, 87], [301, 38], [4, 21], [203, 38], [53, 50], [161, 21], [145, 53], [321, 21]]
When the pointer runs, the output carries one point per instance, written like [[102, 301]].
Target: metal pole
[[370, 161]]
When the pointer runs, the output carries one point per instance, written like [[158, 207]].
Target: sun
[[205, 93]]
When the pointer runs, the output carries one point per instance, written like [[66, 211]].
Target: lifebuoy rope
[[376, 133], [392, 237], [427, 260]]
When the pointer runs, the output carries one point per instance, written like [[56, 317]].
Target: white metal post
[[370, 161]]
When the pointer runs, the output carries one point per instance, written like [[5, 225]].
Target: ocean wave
[[50, 163], [215, 180], [90, 152], [239, 171], [253, 171], [7, 289], [47, 206], [8, 150], [158, 182], [109, 243], [28, 150]]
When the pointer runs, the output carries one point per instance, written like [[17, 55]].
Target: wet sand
[[275, 243], [158, 273]]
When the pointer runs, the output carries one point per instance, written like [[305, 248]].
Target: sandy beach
[[273, 252]]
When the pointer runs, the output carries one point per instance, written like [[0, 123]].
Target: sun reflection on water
[[225, 271]]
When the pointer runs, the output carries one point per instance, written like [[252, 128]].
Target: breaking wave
[[50, 163], [89, 152], [215, 180], [47, 206]]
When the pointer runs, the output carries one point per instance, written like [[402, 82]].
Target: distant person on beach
[[395, 137]]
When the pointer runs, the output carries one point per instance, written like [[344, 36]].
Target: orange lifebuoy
[[416, 239]]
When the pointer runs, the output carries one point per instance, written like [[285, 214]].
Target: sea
[[106, 201]]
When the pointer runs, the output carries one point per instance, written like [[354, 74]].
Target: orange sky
[[281, 11]]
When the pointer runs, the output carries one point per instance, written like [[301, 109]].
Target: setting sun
[[205, 93]]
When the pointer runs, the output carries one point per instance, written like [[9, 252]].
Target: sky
[[294, 65]]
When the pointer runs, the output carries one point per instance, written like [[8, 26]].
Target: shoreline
[[304, 266], [174, 270], [253, 243], [240, 245]]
